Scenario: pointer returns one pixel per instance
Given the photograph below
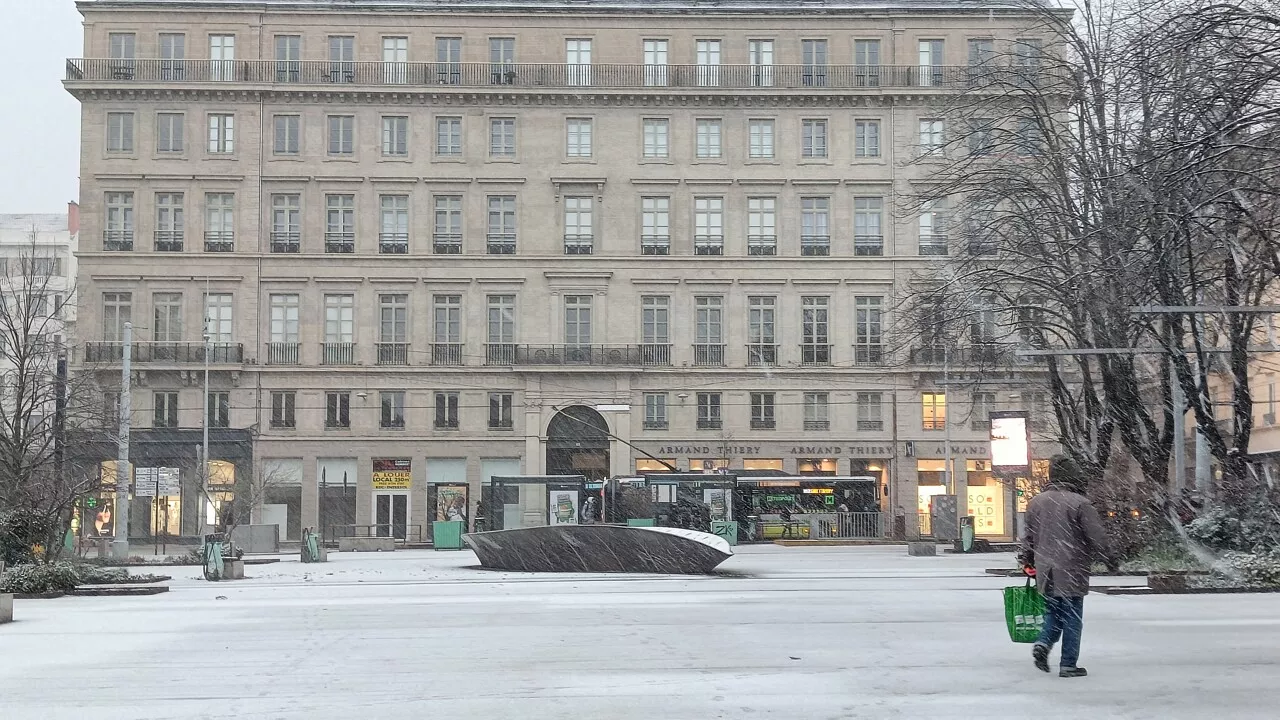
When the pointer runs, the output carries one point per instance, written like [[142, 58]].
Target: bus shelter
[[695, 501], [520, 501]]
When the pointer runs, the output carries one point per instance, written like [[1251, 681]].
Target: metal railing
[[655, 354], [117, 239], [868, 245], [709, 423], [283, 353], [500, 353], [761, 354], [604, 355], [815, 245], [393, 243], [446, 353], [868, 354], [338, 353], [705, 355], [870, 425], [286, 242], [817, 424], [708, 244], [220, 241], [340, 242], [762, 244], [764, 78], [165, 352], [393, 353], [446, 244], [168, 240], [501, 243], [655, 244], [579, 244], [933, 244], [763, 424], [856, 525], [815, 354], [655, 425]]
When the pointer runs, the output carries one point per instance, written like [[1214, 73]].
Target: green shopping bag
[[1024, 612]]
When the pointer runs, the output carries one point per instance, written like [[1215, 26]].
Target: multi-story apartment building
[[436, 237], [37, 276]]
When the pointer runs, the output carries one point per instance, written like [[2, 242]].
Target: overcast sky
[[40, 122]]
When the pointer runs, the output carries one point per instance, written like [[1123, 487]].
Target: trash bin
[[966, 533], [447, 534], [641, 522]]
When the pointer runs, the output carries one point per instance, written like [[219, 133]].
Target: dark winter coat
[[1063, 537]]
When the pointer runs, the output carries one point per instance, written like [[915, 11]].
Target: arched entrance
[[578, 443]]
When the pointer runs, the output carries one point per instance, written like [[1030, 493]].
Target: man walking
[[1063, 536]]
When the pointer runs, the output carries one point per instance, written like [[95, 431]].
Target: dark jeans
[[1063, 618]]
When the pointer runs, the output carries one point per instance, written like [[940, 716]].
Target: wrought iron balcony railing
[[446, 353], [655, 354], [393, 353], [338, 353], [708, 244], [579, 244], [168, 240], [759, 354], [283, 353], [340, 242], [655, 244], [868, 354], [815, 354], [868, 245], [603, 355], [500, 353], [117, 239], [501, 243], [446, 243], [219, 241], [286, 242], [393, 243], [166, 352], [762, 244], [708, 355], [933, 244], [817, 424], [712, 423], [815, 245], [870, 425]]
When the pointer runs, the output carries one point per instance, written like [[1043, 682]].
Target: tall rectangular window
[[118, 234], [760, 55], [502, 60], [870, 411], [578, 58], [709, 320], [122, 47], [655, 411], [982, 52], [391, 416], [933, 228], [167, 317], [655, 225], [339, 318], [815, 226], [501, 233], [284, 318], [657, 133], [395, 60], [707, 56], [219, 409], [173, 56], [655, 63], [393, 319], [286, 223], [448, 60], [393, 226], [449, 136], [934, 409], [170, 132], [501, 319], [814, 55], [395, 136], [578, 137], [816, 413], [762, 411], [117, 309], [446, 411], [866, 63], [447, 239], [931, 138], [502, 137], [579, 225], [165, 413], [815, 337], [284, 404], [577, 320], [708, 138], [868, 231], [446, 319], [760, 138], [337, 410], [501, 410], [709, 411], [655, 319], [120, 132], [340, 223], [342, 56], [218, 309], [762, 226], [762, 336], [930, 62], [867, 333], [342, 135], [222, 133], [813, 139], [288, 135], [169, 233], [866, 140], [288, 58], [708, 225], [980, 411], [222, 57]]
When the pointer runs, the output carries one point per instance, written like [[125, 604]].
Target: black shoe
[[1072, 672], [1040, 653]]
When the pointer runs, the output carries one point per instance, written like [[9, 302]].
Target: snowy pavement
[[798, 633]]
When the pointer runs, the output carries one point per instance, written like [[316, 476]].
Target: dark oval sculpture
[[599, 548]]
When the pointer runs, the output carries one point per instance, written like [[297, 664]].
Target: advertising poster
[[716, 504], [451, 502], [99, 515], [563, 507], [392, 473], [986, 505], [1010, 447]]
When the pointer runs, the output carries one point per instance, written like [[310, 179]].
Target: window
[[501, 235], [762, 346], [395, 60], [866, 63], [337, 410], [173, 54], [446, 411], [657, 132], [577, 320], [393, 328], [217, 315], [284, 405], [866, 141], [219, 409], [815, 340], [933, 228], [340, 223], [501, 335], [288, 58], [393, 230], [118, 234], [342, 56], [166, 410], [449, 60], [449, 136], [122, 46], [814, 55], [1039, 410], [934, 407], [169, 222], [868, 328], [395, 136], [982, 52], [502, 137], [579, 232], [868, 232], [760, 55], [1029, 139], [288, 135], [501, 407], [222, 133], [286, 223], [392, 415], [982, 325], [117, 309], [342, 135], [1027, 52], [762, 226], [762, 417], [655, 63], [930, 69], [981, 136], [167, 323], [170, 132], [930, 137], [655, 225], [870, 411], [709, 330], [813, 139], [980, 412], [655, 319], [815, 226], [708, 226], [339, 319], [655, 411], [815, 411], [222, 57], [446, 313], [708, 138], [760, 138], [707, 56], [502, 59], [578, 57], [447, 238], [120, 132], [709, 411], [284, 319], [578, 137]]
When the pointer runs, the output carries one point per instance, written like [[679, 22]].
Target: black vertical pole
[[59, 433]]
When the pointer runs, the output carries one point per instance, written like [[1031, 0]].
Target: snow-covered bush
[[1254, 569], [39, 578], [1218, 528]]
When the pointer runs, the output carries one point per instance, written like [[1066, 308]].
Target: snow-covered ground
[[797, 633]]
